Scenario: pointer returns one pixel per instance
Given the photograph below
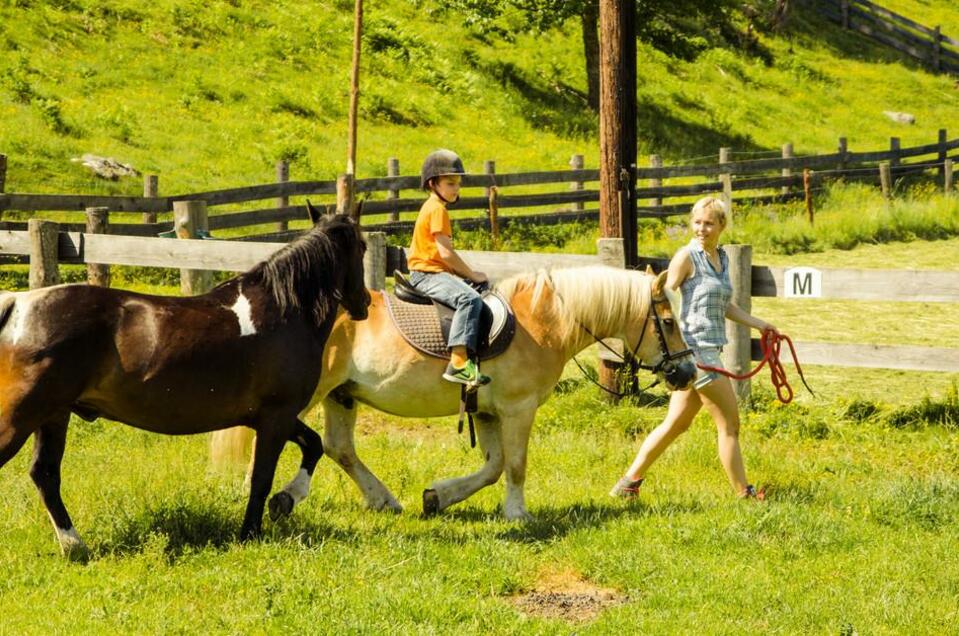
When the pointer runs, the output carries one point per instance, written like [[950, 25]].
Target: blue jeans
[[454, 292]]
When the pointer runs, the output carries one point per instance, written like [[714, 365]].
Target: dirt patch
[[568, 596]]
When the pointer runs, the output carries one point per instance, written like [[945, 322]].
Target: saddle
[[425, 323]]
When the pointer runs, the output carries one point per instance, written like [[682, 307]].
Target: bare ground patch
[[565, 594]]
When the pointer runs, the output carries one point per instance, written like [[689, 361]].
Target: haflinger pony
[[558, 314], [246, 353]]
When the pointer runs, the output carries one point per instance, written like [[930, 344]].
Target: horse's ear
[[659, 284], [314, 213], [649, 269]]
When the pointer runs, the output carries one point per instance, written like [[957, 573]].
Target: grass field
[[858, 534]]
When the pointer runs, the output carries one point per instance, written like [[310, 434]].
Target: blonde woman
[[700, 271]]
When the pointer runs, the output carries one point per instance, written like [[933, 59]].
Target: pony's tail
[[231, 447]]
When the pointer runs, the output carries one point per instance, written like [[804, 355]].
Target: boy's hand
[[479, 277]]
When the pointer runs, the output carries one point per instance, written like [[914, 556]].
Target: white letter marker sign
[[802, 282]]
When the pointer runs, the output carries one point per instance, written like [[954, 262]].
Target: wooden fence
[[47, 246], [770, 179], [926, 44]]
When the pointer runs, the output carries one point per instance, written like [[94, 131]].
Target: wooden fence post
[[44, 253], [98, 222], [894, 147], [656, 161], [3, 178], [151, 189], [282, 176], [726, 179], [576, 163], [492, 209], [843, 151], [346, 195], [937, 48], [947, 176], [737, 356], [189, 219], [942, 151], [787, 172], [885, 180], [374, 261], [807, 192], [844, 12], [393, 170], [611, 252]]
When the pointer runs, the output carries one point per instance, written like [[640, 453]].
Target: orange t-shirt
[[433, 219]]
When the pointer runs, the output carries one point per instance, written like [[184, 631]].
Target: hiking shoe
[[626, 488], [468, 375]]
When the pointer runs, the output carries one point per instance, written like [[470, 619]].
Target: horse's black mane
[[301, 276]]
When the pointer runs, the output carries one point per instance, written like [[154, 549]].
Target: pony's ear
[[314, 213], [649, 269], [659, 284]]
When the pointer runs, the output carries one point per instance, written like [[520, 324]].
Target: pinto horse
[[246, 353], [558, 314]]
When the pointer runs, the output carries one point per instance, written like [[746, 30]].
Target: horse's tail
[[231, 446]]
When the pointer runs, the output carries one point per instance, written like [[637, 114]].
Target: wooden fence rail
[[919, 286], [926, 44], [753, 180]]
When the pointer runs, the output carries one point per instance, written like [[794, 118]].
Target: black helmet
[[440, 163]]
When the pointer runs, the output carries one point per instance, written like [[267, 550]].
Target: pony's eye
[[669, 322]]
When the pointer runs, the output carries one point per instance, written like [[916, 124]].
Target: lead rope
[[771, 344]]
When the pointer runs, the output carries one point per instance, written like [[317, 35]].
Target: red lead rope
[[771, 344]]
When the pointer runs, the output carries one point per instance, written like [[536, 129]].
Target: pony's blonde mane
[[595, 297]]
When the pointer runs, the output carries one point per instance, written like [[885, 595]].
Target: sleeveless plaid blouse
[[706, 294]]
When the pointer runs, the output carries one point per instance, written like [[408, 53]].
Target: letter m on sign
[[802, 282]]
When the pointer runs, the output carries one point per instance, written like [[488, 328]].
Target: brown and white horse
[[247, 353], [558, 314]]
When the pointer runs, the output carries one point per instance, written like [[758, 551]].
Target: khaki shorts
[[709, 356]]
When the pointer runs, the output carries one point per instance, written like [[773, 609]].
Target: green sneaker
[[468, 375]]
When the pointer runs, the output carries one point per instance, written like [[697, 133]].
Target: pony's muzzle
[[359, 310], [679, 375]]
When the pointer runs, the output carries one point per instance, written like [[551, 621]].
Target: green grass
[[859, 531], [212, 95]]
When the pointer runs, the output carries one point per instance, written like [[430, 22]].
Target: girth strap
[[467, 408]]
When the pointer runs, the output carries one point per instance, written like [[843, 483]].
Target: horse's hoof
[[281, 505], [75, 552], [431, 503]]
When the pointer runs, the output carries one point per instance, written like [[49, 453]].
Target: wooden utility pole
[[617, 137], [345, 193]]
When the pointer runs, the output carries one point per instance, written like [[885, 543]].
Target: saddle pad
[[422, 326]]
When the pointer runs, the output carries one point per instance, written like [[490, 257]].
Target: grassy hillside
[[212, 94]]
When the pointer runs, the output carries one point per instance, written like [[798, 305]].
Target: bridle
[[666, 362]]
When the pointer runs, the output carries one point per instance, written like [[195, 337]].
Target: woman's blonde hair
[[717, 207]]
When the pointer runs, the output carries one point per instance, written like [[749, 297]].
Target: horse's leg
[[515, 445], [271, 435], [447, 492], [50, 440], [338, 443], [309, 441]]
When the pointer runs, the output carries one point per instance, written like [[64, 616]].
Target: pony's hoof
[[431, 503], [281, 505]]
